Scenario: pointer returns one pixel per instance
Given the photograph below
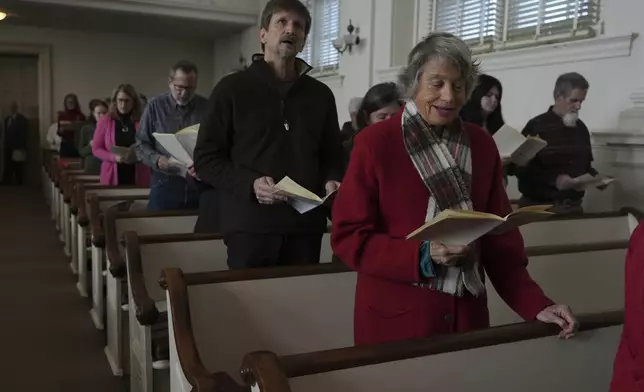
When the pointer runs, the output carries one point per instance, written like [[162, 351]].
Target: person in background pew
[[266, 122], [169, 113], [484, 109], [403, 172], [349, 128], [118, 128], [67, 130], [548, 177], [16, 129], [91, 164], [381, 102], [628, 369]]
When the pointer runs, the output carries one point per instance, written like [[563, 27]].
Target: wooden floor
[[47, 340]]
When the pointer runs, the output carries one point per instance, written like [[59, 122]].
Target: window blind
[[319, 51], [472, 20], [489, 21], [542, 17]]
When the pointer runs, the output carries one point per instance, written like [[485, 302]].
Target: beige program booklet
[[180, 145], [463, 227], [515, 147], [123, 152], [586, 181], [300, 198]]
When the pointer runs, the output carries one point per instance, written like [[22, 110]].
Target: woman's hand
[[448, 255], [562, 316]]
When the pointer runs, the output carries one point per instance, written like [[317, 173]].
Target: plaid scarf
[[444, 163]]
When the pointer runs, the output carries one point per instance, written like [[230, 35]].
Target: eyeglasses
[[179, 87]]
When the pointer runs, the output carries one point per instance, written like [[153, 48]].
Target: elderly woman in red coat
[[404, 171], [628, 371]]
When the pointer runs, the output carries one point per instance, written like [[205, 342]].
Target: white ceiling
[[87, 19]]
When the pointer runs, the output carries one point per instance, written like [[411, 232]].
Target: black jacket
[[245, 137], [568, 152]]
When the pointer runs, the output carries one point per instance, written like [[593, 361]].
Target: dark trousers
[[13, 171], [172, 193], [246, 250]]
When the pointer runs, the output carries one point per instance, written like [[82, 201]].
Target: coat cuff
[[427, 267]]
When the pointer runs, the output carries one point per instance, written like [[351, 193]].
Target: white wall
[[527, 88], [91, 64]]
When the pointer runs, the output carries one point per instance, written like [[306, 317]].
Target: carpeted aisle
[[47, 340]]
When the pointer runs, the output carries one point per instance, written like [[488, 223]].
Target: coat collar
[[260, 68]]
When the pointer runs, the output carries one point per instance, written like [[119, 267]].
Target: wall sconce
[[347, 41]]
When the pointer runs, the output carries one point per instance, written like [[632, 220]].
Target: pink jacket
[[104, 139]]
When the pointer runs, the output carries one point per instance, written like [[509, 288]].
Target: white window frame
[[316, 37], [428, 8]]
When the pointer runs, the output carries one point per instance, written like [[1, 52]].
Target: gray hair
[[439, 45], [569, 81]]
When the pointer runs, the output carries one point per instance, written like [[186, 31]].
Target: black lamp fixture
[[341, 44]]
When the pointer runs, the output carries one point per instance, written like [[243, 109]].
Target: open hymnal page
[[463, 227], [515, 147], [586, 181], [180, 145], [299, 197]]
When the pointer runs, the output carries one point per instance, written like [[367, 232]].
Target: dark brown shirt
[[568, 152]]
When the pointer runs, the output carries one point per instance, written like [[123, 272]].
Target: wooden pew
[[81, 229], [96, 202], [67, 178], [521, 357], [116, 223], [57, 166], [147, 256], [321, 314]]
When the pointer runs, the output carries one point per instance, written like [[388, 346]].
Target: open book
[[464, 227], [300, 198], [515, 147], [586, 181], [126, 153], [180, 145]]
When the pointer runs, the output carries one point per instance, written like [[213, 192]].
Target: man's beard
[[570, 119]]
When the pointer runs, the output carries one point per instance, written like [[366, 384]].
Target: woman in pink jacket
[[118, 129]]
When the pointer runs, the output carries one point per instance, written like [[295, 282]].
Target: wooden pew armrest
[[194, 370], [117, 266], [145, 307]]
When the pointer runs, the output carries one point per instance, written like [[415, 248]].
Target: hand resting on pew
[[562, 316]]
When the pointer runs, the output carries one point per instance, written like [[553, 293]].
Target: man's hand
[[331, 186], [193, 173], [264, 191], [163, 163], [563, 317], [506, 161], [565, 182], [448, 255]]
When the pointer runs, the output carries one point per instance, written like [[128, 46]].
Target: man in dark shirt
[[266, 122], [15, 146], [548, 178], [170, 113]]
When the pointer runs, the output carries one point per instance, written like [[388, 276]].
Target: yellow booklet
[[180, 145], [300, 198], [515, 147], [464, 227]]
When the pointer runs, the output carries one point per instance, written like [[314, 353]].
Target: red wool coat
[[381, 200], [628, 372]]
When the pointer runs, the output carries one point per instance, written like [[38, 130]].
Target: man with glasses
[[170, 113]]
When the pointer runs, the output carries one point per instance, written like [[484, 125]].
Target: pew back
[[582, 229], [585, 281], [495, 359]]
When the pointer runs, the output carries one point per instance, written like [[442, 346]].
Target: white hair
[[439, 45]]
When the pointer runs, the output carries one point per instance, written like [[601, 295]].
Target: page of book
[[170, 142], [188, 138], [121, 151], [507, 140], [464, 227], [515, 147], [586, 181], [299, 197]]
